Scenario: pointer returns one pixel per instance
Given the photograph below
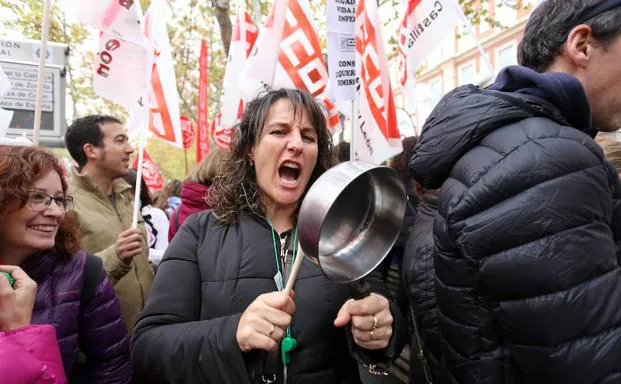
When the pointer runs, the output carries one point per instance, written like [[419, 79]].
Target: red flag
[[223, 136], [202, 129], [150, 173], [187, 131], [163, 103], [379, 137], [300, 63]]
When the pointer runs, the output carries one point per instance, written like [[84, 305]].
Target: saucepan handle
[[360, 289]]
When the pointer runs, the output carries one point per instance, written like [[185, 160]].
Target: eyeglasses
[[39, 201]]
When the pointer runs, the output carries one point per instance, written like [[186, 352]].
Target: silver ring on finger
[[371, 334], [272, 330], [374, 326]]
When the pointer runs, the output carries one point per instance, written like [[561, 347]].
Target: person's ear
[[90, 151], [580, 46]]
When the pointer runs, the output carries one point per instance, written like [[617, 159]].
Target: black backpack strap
[[92, 275]]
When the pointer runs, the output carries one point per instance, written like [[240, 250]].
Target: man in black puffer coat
[[419, 282], [528, 284]]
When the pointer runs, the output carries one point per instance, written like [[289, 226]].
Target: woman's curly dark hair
[[20, 167], [235, 188]]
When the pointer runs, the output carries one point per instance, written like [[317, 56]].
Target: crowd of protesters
[[509, 256]]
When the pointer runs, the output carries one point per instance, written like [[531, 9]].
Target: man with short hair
[[528, 282], [104, 204]]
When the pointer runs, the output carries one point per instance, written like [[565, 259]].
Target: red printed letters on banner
[[371, 75], [300, 53]]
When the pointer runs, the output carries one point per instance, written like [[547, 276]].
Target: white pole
[[468, 26], [145, 118], [40, 75], [354, 120]]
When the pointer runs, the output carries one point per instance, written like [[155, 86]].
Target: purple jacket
[[98, 330]]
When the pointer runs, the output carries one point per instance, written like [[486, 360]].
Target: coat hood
[[466, 115], [193, 194]]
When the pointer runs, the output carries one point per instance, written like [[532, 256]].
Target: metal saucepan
[[350, 219]]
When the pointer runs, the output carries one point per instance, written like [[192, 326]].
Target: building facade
[[457, 59]]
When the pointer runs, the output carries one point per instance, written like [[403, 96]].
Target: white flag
[[119, 17], [300, 63], [342, 49], [424, 26], [376, 133], [242, 40], [119, 70], [163, 102], [258, 74]]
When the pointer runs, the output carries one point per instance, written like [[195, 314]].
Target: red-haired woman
[[74, 295]]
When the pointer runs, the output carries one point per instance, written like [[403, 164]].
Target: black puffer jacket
[[419, 281], [528, 282], [208, 277]]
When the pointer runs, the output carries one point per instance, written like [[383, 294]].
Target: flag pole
[[185, 160], [145, 124], [352, 147], [40, 76]]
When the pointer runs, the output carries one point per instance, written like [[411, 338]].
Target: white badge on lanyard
[[278, 280]]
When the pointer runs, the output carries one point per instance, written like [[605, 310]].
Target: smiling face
[[285, 155], [27, 231]]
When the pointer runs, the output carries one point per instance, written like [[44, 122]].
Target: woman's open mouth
[[289, 173]]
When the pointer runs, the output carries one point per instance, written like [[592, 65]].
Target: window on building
[[507, 56], [436, 86], [465, 40], [435, 57], [506, 12], [448, 46], [467, 74]]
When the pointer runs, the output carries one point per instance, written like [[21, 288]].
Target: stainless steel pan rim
[[350, 219]]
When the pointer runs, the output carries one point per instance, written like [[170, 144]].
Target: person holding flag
[[105, 205]]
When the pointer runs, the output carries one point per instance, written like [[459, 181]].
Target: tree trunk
[[224, 21]]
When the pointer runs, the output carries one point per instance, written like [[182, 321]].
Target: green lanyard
[[288, 343]]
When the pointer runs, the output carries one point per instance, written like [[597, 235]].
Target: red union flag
[[300, 62], [222, 136], [245, 30], [187, 130], [376, 134], [291, 40], [163, 103], [202, 129], [150, 173]]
